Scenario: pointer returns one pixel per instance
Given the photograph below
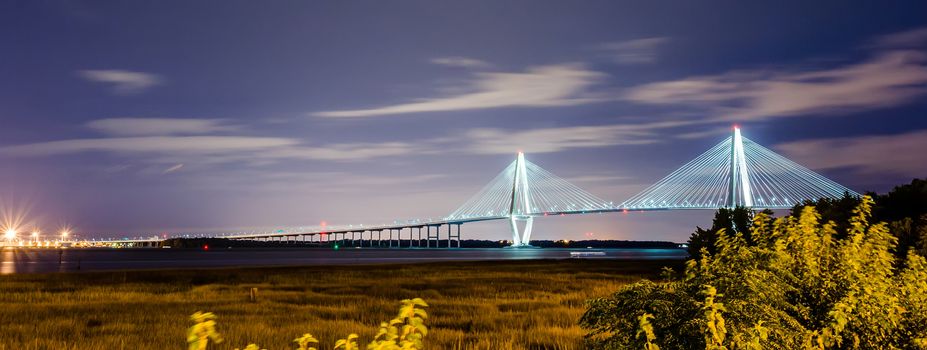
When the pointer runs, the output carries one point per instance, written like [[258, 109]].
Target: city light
[[10, 234]]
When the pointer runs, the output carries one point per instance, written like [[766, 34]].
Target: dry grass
[[484, 305]]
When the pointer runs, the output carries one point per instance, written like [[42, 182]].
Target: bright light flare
[[10, 234]]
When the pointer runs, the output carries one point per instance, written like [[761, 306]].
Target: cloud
[[174, 141], [177, 145], [894, 74], [548, 140], [345, 152], [462, 62], [889, 79], [172, 169], [543, 86], [123, 82], [635, 51], [872, 155], [914, 38], [157, 126], [214, 149]]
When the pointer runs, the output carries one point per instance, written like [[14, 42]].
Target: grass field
[[481, 305]]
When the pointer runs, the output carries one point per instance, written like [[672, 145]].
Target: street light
[[64, 234]]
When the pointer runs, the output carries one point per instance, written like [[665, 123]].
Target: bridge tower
[[739, 189], [522, 191], [736, 172], [520, 209]]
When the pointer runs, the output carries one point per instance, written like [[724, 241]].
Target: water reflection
[[28, 260], [8, 261]]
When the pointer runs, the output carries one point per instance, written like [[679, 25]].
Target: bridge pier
[[457, 236], [436, 237]]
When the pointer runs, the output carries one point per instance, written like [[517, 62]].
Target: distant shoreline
[[469, 243]]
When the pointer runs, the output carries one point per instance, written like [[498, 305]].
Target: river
[[25, 260]]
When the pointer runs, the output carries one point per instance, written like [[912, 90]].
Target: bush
[[798, 287]]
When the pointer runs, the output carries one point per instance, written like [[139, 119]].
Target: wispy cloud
[[890, 77], [635, 51], [899, 154], [172, 169], [123, 82], [158, 126], [337, 181], [914, 38], [547, 140], [177, 145], [543, 86], [462, 62], [174, 141], [345, 151]]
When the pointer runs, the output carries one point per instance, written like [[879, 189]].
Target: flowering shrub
[[797, 286]]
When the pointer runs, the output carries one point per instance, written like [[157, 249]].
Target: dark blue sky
[[133, 116]]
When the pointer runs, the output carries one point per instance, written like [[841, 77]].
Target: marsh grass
[[482, 305]]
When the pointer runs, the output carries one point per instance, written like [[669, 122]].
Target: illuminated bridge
[[735, 172]]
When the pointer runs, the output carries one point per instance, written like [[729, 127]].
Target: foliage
[[837, 210], [349, 343], [646, 329], [404, 332], [904, 208], [796, 287], [715, 331], [304, 342], [738, 219], [202, 331], [252, 347]]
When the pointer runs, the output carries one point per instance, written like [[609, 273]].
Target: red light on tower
[[205, 247]]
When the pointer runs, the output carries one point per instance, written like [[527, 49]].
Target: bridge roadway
[[374, 233]]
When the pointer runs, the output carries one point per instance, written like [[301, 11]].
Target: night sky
[[129, 117]]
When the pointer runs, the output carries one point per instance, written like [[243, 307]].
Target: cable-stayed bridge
[[735, 172]]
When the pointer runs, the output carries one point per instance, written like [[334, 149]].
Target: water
[[23, 260]]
